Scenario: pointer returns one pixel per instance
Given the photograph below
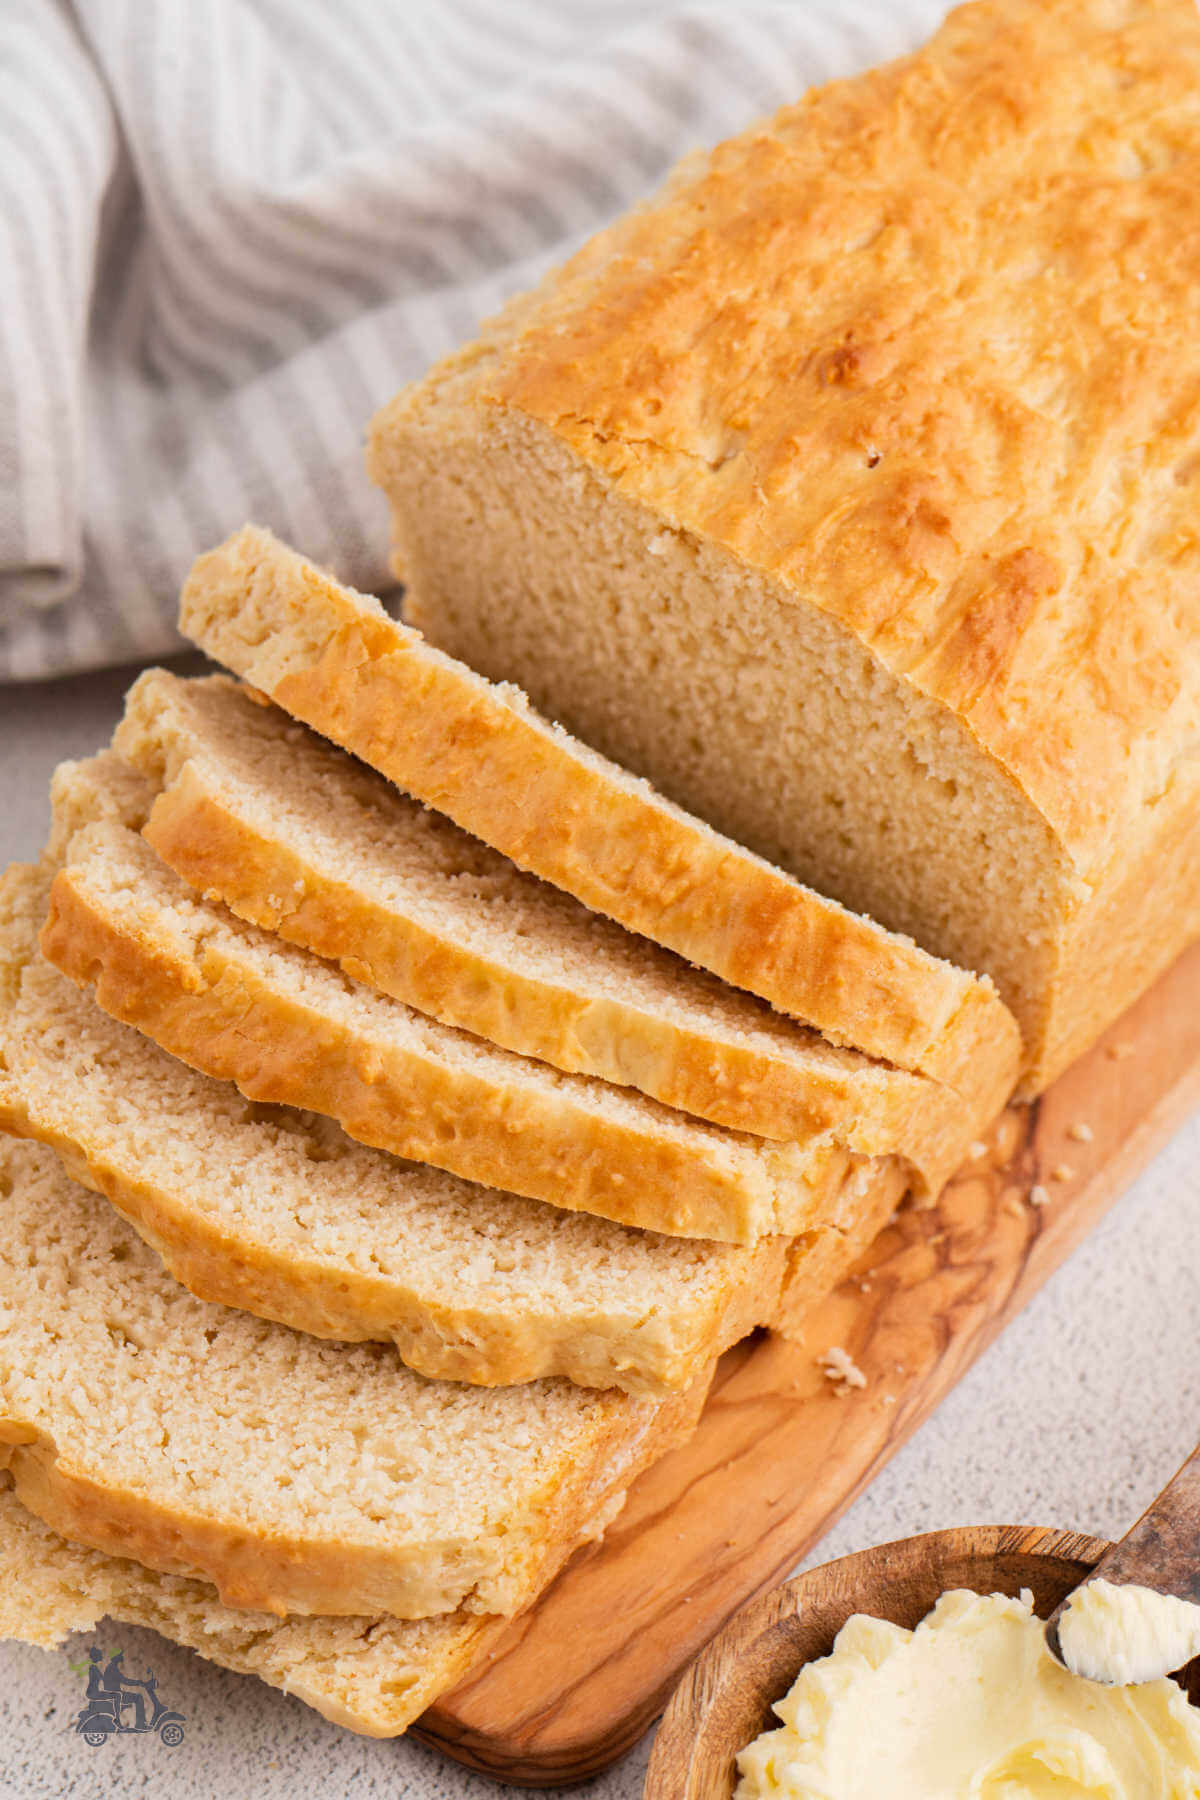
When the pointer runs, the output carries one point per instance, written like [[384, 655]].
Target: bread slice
[[478, 752], [847, 490], [242, 1005], [374, 1676], [297, 1476], [282, 1214], [295, 836]]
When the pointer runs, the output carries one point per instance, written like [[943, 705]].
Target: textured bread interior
[[769, 720], [296, 1475], [238, 1002], [282, 1213], [478, 752], [297, 837], [349, 827], [373, 1676]]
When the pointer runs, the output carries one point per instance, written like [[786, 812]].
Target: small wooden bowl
[[725, 1698]]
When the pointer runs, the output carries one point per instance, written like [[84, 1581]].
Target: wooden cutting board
[[780, 1453]]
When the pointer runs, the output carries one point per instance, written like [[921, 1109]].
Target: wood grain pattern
[[725, 1698], [779, 1453]]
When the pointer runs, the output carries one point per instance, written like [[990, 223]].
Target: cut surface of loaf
[[282, 1214], [292, 834], [478, 752], [847, 490], [373, 1676], [289, 1028], [297, 1476]]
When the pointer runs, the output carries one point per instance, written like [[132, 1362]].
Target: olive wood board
[[780, 1452]]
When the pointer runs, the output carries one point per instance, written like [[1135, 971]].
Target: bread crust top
[[925, 348]]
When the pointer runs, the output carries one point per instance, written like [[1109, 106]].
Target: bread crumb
[[1080, 1133], [977, 1149], [839, 1368], [1039, 1196], [1062, 1172]]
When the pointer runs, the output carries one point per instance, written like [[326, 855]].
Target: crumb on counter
[[1039, 1195], [840, 1369], [1080, 1133]]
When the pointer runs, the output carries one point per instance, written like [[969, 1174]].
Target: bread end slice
[[372, 1676]]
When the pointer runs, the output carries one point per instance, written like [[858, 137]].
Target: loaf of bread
[[296, 1476], [478, 753], [280, 1213], [373, 1676], [848, 492], [288, 1028], [255, 810]]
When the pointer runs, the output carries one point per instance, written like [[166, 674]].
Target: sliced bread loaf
[[479, 753], [297, 1476], [282, 1214], [373, 1676], [296, 836], [287, 1027], [848, 489]]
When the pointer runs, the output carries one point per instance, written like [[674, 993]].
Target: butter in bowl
[[920, 1670]]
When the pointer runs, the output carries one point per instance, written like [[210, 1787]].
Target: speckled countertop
[[1076, 1417]]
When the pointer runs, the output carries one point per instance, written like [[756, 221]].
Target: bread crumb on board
[[1062, 1172], [1038, 1195], [1080, 1133], [840, 1369]]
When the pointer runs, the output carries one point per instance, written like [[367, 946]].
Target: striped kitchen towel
[[235, 227]]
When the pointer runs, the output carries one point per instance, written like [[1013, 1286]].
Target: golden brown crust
[[311, 1558], [221, 1017], [477, 754], [965, 421], [648, 1350], [729, 1084], [874, 1110], [649, 1359], [819, 1263], [773, 1284], [272, 1572], [924, 352]]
